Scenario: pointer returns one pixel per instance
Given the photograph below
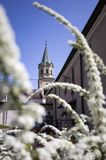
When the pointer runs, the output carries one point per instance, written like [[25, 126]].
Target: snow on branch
[[69, 109], [69, 86], [101, 66], [50, 128]]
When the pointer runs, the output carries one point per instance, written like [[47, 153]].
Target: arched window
[[47, 71], [41, 71]]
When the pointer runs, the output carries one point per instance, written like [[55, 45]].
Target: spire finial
[[45, 43]]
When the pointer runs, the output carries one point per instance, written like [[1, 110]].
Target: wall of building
[[74, 72], [97, 40], [6, 116], [71, 75]]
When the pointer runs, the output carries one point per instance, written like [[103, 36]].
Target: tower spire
[[45, 58]]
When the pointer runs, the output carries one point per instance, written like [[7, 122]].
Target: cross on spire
[[45, 43]]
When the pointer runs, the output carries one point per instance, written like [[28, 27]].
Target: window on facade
[[51, 71], [60, 107], [41, 71], [47, 71], [65, 91], [72, 93], [73, 105], [64, 113], [45, 91], [73, 77], [90, 45], [49, 118]]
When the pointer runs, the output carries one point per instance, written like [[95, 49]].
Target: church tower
[[45, 69]]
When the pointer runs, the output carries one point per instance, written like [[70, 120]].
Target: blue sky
[[33, 27]]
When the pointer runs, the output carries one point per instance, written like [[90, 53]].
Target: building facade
[[73, 69]]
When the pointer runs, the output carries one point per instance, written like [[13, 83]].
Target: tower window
[[51, 71], [41, 71], [47, 71]]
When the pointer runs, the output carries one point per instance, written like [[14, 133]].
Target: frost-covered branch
[[11, 69], [50, 151], [39, 140], [69, 109], [15, 83], [10, 54], [89, 147], [101, 66], [50, 128], [30, 114], [18, 146], [69, 86]]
